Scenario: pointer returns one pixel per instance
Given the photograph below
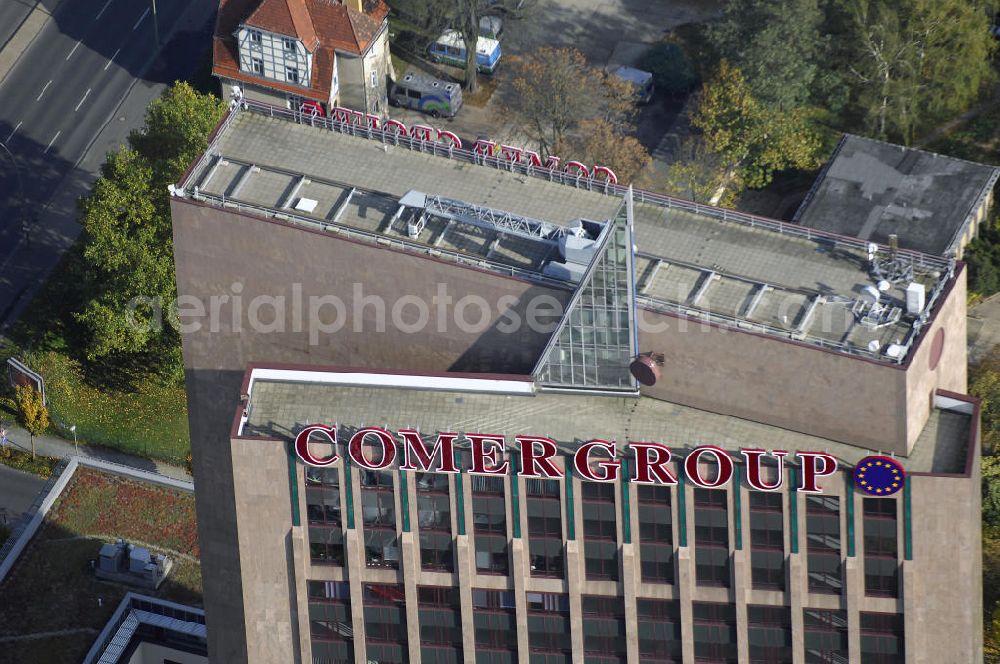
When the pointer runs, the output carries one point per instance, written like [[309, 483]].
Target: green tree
[[776, 44], [32, 413], [597, 141], [699, 175], [671, 68], [984, 382], [916, 62], [128, 242], [752, 141], [555, 89], [983, 258]]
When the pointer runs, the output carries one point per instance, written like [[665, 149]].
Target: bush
[[983, 257], [671, 69], [41, 465]]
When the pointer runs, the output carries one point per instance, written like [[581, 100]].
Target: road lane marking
[[102, 10], [85, 94], [112, 59], [140, 19], [52, 141], [75, 46], [12, 133], [39, 97]]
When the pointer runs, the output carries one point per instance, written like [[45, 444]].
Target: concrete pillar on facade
[[797, 595], [854, 581], [911, 587], [629, 565], [300, 568], [519, 572], [574, 567], [354, 552], [741, 582], [410, 572], [685, 591], [464, 567]]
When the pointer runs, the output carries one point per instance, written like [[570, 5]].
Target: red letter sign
[[538, 465], [385, 439], [581, 459], [810, 472], [481, 454], [724, 461], [414, 449], [753, 469], [302, 445], [645, 467]]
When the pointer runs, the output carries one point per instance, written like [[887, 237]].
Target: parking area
[[599, 28]]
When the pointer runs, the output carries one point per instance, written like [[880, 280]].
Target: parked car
[[450, 49], [428, 94], [642, 82]]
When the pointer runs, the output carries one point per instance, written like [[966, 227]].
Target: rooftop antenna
[[893, 245]]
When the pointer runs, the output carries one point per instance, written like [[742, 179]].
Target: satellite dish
[[883, 285], [874, 345]]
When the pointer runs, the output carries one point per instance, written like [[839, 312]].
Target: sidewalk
[[58, 447]]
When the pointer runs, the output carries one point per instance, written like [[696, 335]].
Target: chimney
[[356, 5]]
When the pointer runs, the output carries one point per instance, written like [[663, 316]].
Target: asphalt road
[[17, 491], [67, 86]]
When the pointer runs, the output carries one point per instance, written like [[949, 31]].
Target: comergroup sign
[[595, 460]]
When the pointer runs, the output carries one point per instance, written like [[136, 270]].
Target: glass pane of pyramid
[[595, 340]]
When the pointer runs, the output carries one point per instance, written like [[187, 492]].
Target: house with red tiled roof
[[321, 53]]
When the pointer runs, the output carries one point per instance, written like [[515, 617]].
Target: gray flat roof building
[[870, 190], [754, 334]]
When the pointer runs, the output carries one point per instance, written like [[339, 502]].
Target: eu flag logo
[[879, 476]]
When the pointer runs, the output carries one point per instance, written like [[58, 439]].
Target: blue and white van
[[428, 94], [450, 50]]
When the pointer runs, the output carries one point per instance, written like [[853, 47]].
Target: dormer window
[[254, 37], [292, 75], [289, 46]]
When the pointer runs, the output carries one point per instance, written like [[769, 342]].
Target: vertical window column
[[881, 547], [326, 536], [659, 631], [604, 629], [495, 619], [549, 628], [378, 512], [656, 536], [440, 625], [545, 538], [600, 529], [714, 632], [330, 622], [711, 537], [489, 524], [767, 541], [434, 521], [825, 636], [769, 633], [882, 638], [823, 544], [385, 623]]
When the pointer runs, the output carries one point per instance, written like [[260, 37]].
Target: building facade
[[317, 53], [753, 334]]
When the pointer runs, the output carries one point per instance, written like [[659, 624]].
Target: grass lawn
[[111, 406], [52, 588]]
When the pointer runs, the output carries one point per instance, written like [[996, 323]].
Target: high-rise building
[[385, 281]]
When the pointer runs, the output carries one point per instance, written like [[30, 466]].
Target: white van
[[450, 49]]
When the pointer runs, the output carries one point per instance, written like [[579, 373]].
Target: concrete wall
[[215, 249], [153, 653], [780, 383], [950, 372], [942, 585]]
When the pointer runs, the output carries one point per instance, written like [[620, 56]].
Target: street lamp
[[156, 25], [77, 446]]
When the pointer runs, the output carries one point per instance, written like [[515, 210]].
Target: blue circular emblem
[[879, 476]]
